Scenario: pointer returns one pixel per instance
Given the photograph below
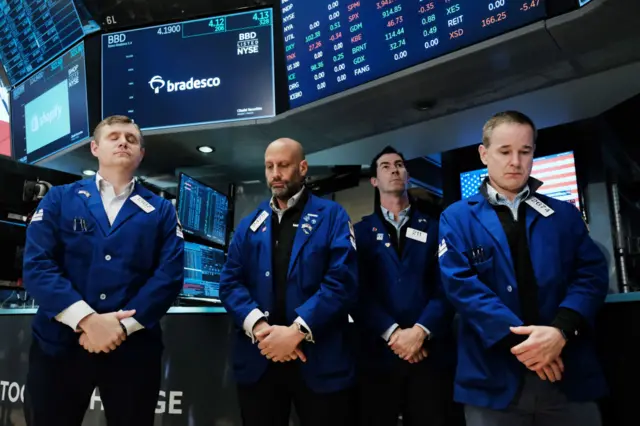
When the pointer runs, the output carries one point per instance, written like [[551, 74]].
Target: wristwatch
[[305, 332]]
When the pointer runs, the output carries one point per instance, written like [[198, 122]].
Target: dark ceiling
[[601, 37]]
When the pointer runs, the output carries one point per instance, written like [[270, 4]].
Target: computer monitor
[[203, 211], [49, 110], [210, 70], [202, 268], [33, 33], [557, 172]]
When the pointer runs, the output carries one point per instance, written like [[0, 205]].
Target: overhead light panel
[[89, 172], [205, 149]]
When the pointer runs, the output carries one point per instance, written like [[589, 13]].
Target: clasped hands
[[407, 343], [279, 343], [103, 332], [541, 351]]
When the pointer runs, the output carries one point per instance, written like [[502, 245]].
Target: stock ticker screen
[[193, 72], [334, 45], [202, 268], [34, 32], [49, 109], [202, 211]]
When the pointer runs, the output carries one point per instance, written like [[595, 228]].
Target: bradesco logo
[[157, 83]]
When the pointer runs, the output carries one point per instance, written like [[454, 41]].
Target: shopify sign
[[157, 83], [47, 117]]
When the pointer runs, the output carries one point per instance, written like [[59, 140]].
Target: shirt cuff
[[250, 322], [309, 338], [74, 314], [387, 334], [426, 330], [132, 325]]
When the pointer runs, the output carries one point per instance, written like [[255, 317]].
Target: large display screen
[[202, 268], [193, 72], [333, 45], [202, 211], [34, 32], [5, 119], [49, 110], [557, 172]]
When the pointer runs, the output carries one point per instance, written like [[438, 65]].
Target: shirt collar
[[102, 183], [290, 202], [390, 216], [495, 197]]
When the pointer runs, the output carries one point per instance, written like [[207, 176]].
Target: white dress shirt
[[256, 315], [112, 203]]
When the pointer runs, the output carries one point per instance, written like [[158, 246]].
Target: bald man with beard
[[289, 283]]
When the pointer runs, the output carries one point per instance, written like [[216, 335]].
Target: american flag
[[557, 172]]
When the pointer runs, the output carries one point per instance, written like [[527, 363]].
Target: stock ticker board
[[34, 32], [334, 45]]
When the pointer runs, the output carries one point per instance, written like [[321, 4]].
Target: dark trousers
[[421, 394], [538, 403], [59, 389], [268, 402]]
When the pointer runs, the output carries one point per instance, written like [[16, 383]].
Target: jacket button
[[103, 296], [107, 257], [509, 289], [266, 274]]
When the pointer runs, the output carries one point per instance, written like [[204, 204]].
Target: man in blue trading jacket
[[402, 308], [527, 281], [289, 283], [104, 261]]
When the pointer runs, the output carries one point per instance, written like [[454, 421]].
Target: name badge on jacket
[[142, 203], [261, 218], [414, 234], [540, 207]]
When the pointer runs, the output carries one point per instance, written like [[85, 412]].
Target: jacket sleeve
[[338, 291], [589, 283], [156, 296], [42, 274], [476, 303], [437, 315], [369, 310], [235, 296]]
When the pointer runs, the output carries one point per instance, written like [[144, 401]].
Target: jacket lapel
[[488, 218], [309, 223], [94, 203], [129, 209], [384, 245]]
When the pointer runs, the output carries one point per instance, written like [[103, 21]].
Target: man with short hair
[[527, 281], [104, 261], [289, 283], [404, 319]]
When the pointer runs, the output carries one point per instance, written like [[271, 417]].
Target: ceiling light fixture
[[89, 172], [205, 149]]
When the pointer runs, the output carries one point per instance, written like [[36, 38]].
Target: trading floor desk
[[197, 384]]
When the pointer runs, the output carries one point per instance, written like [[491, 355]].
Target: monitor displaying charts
[[557, 172], [203, 211], [202, 268], [49, 110], [195, 72]]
